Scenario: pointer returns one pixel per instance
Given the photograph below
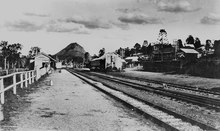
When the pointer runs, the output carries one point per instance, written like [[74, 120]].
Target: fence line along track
[[176, 115], [210, 103], [25, 78]]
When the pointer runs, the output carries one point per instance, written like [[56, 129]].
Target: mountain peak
[[72, 52]]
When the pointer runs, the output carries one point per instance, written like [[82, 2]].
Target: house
[[108, 60], [132, 61], [189, 54], [163, 52], [42, 63]]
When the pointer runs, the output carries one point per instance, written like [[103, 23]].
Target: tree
[[5, 52], [190, 40], [149, 49], [162, 37], [144, 50], [127, 52], [208, 44], [137, 47], [217, 47], [87, 57], [180, 43], [34, 51], [14, 56], [10, 53], [120, 52], [101, 52], [132, 51], [197, 43]]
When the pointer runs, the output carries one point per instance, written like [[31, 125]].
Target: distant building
[[189, 54], [132, 61], [58, 65], [107, 60]]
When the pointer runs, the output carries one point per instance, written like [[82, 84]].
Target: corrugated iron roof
[[104, 56], [189, 51], [132, 58]]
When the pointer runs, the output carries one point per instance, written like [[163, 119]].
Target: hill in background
[[73, 52]]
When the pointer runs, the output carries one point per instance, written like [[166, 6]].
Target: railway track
[[172, 117], [178, 86], [192, 97]]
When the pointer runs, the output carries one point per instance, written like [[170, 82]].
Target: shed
[[43, 64]]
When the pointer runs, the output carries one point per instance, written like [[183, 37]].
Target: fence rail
[[25, 78]]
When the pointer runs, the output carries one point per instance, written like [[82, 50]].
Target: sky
[[110, 24]]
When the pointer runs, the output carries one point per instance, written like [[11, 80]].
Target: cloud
[[138, 19], [56, 28], [121, 25], [211, 19], [23, 26], [89, 23], [37, 15], [127, 10], [176, 6], [60, 27]]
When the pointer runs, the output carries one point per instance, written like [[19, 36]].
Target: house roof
[[103, 56], [189, 51], [41, 53], [132, 58]]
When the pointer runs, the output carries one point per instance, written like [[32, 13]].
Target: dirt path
[[71, 105]]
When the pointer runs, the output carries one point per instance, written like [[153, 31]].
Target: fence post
[[2, 89], [32, 76], [1, 113], [22, 81], [35, 75], [14, 84], [26, 80], [2, 99], [29, 77]]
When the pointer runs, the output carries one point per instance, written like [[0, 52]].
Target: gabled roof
[[189, 51], [41, 53], [104, 56]]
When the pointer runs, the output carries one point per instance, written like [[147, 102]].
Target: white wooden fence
[[25, 77]]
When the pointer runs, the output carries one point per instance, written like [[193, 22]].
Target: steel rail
[[180, 116], [187, 87], [204, 101]]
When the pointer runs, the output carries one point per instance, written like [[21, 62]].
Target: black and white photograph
[[109, 65]]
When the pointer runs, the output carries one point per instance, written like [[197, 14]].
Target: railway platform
[[63, 102]]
